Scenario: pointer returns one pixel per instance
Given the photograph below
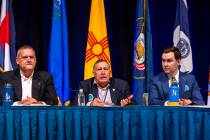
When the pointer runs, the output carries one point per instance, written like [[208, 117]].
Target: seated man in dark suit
[[30, 86], [101, 90], [159, 86]]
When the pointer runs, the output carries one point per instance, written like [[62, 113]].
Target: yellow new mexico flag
[[97, 41]]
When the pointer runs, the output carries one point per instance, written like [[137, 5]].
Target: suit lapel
[[92, 88], [181, 84], [113, 92], [94, 91], [165, 85], [17, 85], [36, 85]]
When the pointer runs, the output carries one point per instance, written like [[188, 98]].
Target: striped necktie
[[173, 80]]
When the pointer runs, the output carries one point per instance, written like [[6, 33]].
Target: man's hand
[[126, 101], [97, 102], [29, 101], [185, 102]]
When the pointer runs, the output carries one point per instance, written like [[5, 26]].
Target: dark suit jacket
[[119, 89], [159, 89], [42, 86]]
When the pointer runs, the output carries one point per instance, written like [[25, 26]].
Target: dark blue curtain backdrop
[[33, 24]]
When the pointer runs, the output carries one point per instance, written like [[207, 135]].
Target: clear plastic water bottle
[[8, 95], [81, 98], [174, 95]]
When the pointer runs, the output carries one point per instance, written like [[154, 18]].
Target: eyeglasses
[[26, 57], [102, 68]]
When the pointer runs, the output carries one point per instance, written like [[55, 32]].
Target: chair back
[[145, 97]]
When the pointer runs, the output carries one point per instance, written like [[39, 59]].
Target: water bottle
[[81, 98], [173, 95], [8, 95]]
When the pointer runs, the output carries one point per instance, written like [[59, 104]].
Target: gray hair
[[99, 61], [24, 47]]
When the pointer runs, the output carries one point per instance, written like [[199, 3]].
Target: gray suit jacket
[[42, 86]]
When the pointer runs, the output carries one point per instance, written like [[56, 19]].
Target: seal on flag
[[184, 47], [139, 50]]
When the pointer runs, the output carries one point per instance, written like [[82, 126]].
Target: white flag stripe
[[180, 37], [7, 61], [3, 10], [186, 63], [176, 35], [208, 103], [185, 3]]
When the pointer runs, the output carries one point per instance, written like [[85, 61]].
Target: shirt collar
[[176, 76], [25, 78], [104, 88]]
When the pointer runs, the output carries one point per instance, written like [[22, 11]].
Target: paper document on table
[[17, 103], [201, 106]]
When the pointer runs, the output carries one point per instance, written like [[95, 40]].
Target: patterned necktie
[[173, 80]]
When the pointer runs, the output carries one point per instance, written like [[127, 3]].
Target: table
[[105, 123]]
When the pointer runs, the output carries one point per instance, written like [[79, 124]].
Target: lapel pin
[[90, 97]]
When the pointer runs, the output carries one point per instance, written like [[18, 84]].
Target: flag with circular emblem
[[142, 53], [181, 36], [97, 40]]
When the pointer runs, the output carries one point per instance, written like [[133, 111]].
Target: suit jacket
[[119, 89], [42, 86], [159, 89]]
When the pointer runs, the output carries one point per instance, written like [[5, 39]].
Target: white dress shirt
[[103, 94], [26, 86]]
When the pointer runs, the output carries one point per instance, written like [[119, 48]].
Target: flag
[[97, 40], [7, 37], [59, 52], [209, 88], [142, 51], [181, 37]]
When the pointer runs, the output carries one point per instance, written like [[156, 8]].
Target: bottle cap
[[80, 90], [8, 85]]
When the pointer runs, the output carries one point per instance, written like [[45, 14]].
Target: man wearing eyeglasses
[[30, 86]]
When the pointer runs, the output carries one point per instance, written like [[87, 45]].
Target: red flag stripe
[[5, 30]]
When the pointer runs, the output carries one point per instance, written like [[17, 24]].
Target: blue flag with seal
[[142, 52], [59, 52], [181, 37], [7, 37]]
